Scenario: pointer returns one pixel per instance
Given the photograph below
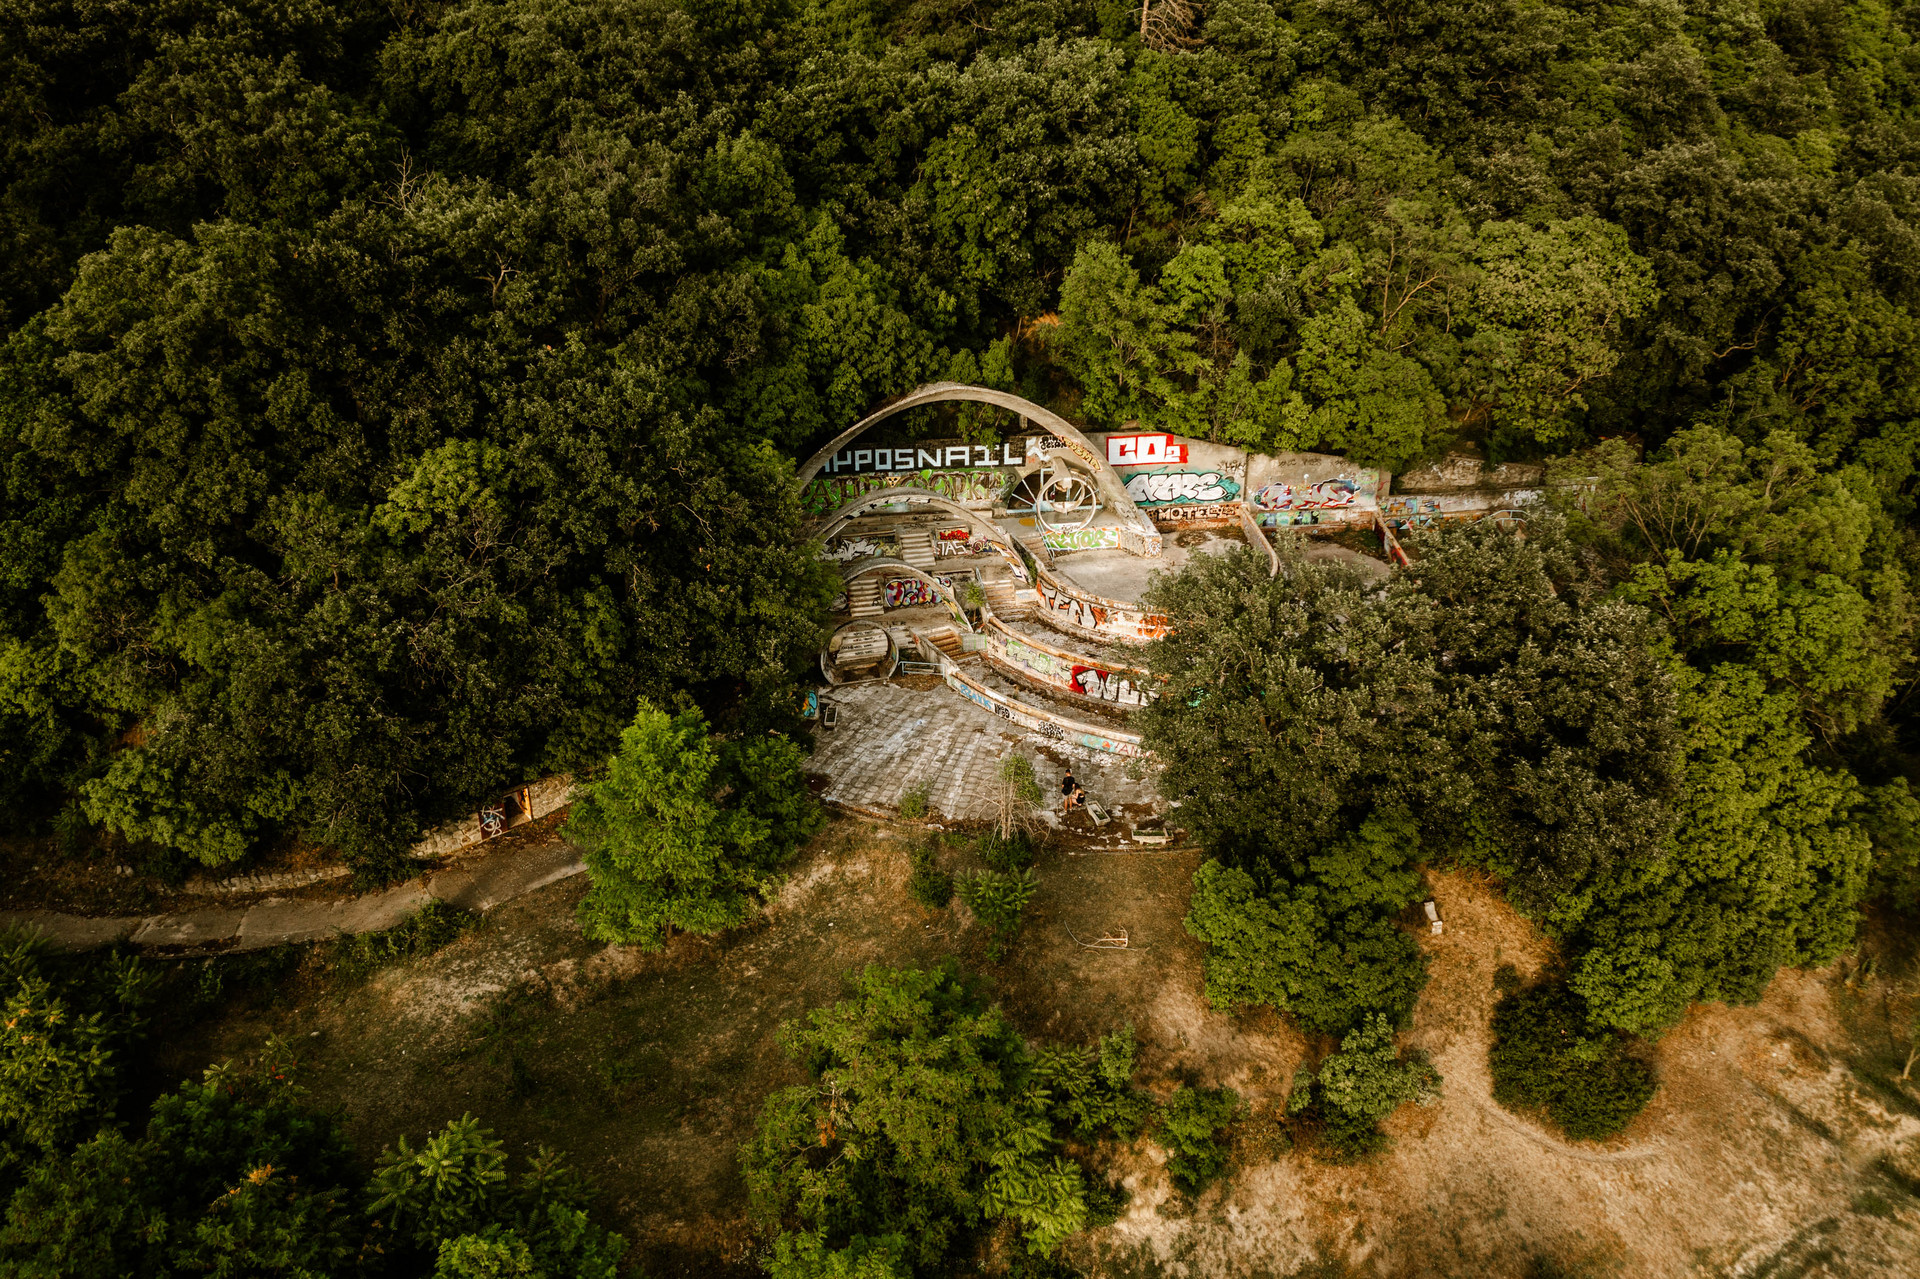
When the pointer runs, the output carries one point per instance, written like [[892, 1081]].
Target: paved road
[[475, 883]]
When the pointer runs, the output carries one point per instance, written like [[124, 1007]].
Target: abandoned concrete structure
[[1033, 553]]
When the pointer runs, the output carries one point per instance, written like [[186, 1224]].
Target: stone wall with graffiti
[[844, 550], [975, 489], [1408, 511], [1038, 719], [1066, 609], [1025, 657]]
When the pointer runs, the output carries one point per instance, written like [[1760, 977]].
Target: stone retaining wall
[[1044, 722]]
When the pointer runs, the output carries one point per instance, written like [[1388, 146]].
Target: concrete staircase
[[864, 597], [862, 646], [948, 642], [1000, 597], [916, 548]]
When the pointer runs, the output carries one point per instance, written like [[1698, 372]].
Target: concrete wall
[[544, 796], [1079, 612], [1045, 722], [1059, 671]]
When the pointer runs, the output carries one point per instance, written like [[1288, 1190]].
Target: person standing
[[1070, 790]]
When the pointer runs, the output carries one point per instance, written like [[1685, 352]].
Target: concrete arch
[[906, 492], [1105, 477], [901, 568]]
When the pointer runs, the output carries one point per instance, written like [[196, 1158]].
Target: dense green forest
[[393, 395]]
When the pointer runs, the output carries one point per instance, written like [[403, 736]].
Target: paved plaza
[[891, 739]]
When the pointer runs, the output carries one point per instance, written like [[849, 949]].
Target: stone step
[[1001, 597], [862, 646], [948, 642], [916, 547], [864, 598]]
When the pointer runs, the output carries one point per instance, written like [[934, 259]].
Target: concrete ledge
[[1044, 722]]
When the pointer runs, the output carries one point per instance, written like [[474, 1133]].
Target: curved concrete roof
[[880, 497], [949, 392], [863, 567]]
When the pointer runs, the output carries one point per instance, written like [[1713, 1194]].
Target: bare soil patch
[[1776, 1145]]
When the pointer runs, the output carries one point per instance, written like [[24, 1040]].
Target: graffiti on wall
[[1411, 512], [1036, 662], [824, 495], [1327, 495], [907, 592], [844, 549], [1157, 488], [1083, 539], [1144, 450], [1196, 514], [1111, 686], [1071, 610], [947, 545], [1421, 510], [1042, 724]]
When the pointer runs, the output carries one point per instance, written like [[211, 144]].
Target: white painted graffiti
[[857, 548], [1181, 486], [1111, 686]]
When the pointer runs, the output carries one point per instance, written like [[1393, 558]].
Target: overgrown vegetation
[[1192, 1126], [681, 830], [927, 883], [1358, 1086], [927, 1118], [237, 1173], [1546, 1055], [997, 899], [391, 397]]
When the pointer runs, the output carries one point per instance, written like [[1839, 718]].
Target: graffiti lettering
[[1150, 488], [844, 549], [1194, 514], [1083, 539], [1144, 450], [1326, 495], [906, 592], [928, 455], [1110, 687]]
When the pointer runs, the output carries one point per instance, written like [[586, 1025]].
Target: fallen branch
[[1109, 942]]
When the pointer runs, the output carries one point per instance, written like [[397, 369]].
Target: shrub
[[1009, 853], [425, 931], [997, 899], [1192, 1129], [919, 1124], [913, 804], [683, 828], [1360, 1085], [1092, 1088], [928, 884], [1546, 1055]]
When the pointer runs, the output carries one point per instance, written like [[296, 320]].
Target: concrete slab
[[891, 739], [1119, 576], [484, 884], [193, 928], [278, 919], [57, 931]]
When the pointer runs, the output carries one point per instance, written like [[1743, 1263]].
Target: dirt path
[[478, 882]]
